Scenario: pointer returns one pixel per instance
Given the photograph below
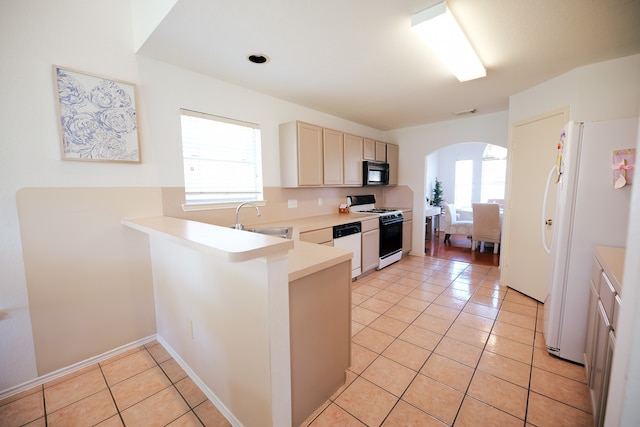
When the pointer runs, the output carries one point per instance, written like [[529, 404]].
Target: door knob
[[549, 221]]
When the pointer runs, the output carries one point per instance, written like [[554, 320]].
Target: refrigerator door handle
[[548, 222]]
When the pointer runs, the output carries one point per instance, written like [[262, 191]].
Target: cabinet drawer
[[370, 224], [408, 215], [323, 235], [617, 305], [596, 271], [607, 295]]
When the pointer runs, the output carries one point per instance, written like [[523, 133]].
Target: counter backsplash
[[277, 203]]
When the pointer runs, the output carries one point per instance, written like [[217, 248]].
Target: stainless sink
[[283, 232]]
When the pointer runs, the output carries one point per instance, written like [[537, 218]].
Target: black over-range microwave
[[375, 173]]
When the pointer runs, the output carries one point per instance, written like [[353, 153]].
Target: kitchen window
[[494, 173], [463, 184], [222, 161]]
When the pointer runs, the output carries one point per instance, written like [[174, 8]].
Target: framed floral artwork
[[97, 117]]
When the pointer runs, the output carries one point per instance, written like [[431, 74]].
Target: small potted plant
[[437, 193]]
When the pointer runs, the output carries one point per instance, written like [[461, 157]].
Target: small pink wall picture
[[623, 165]]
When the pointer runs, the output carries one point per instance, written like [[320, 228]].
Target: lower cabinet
[[323, 236], [320, 330], [407, 225], [370, 244], [599, 381], [604, 305]]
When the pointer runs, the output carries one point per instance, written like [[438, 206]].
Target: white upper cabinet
[[301, 147], [369, 149], [313, 156], [393, 154], [333, 152], [381, 151], [353, 160]]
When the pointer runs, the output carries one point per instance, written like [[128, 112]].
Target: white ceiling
[[360, 60]]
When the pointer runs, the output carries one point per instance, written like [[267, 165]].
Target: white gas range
[[390, 227]]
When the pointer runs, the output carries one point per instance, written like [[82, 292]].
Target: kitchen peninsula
[[261, 323]]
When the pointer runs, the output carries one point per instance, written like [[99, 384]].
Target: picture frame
[[97, 117]]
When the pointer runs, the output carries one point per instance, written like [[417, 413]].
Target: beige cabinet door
[[393, 154], [333, 156], [309, 154], [320, 331], [369, 149], [381, 151], [406, 236], [532, 154], [370, 249], [353, 160]]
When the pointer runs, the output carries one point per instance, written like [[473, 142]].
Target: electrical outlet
[[189, 328], [293, 203], [319, 201]]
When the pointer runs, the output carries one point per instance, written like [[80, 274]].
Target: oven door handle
[[391, 221]]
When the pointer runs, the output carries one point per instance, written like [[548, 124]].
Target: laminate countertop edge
[[237, 246], [233, 245]]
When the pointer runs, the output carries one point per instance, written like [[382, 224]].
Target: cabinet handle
[[549, 221]]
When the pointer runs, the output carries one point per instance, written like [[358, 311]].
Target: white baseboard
[[210, 395]]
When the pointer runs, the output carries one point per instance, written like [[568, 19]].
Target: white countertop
[[308, 258], [234, 245], [237, 246]]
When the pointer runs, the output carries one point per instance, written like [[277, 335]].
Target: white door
[[532, 154]]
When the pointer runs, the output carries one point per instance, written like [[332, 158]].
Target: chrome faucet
[[239, 226]]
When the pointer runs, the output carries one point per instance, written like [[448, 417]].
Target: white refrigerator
[[589, 212]]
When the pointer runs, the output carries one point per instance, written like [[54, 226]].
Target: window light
[[438, 28], [222, 160]]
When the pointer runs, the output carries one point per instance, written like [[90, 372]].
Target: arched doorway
[[469, 172]]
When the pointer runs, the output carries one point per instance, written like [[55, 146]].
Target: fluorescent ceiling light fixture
[[439, 29]]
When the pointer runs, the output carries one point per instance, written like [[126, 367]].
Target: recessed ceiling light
[[258, 58]]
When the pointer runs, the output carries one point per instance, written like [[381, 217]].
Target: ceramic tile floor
[[438, 342], [141, 387], [435, 342]]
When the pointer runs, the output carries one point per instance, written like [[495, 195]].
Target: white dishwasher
[[349, 236]]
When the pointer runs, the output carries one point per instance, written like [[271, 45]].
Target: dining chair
[[486, 225], [452, 225]]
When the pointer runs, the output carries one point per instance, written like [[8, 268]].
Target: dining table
[[432, 212]]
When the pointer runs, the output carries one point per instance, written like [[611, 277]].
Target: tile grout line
[[460, 311], [535, 330], [44, 405], [112, 396], [475, 369], [399, 398], [173, 384]]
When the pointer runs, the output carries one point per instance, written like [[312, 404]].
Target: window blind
[[222, 159]]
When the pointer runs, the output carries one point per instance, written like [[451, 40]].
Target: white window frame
[[207, 186], [494, 173], [463, 190]]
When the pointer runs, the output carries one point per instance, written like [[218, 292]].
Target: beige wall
[[88, 278], [103, 45], [228, 308]]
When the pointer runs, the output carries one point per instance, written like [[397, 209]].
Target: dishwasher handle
[[344, 230]]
